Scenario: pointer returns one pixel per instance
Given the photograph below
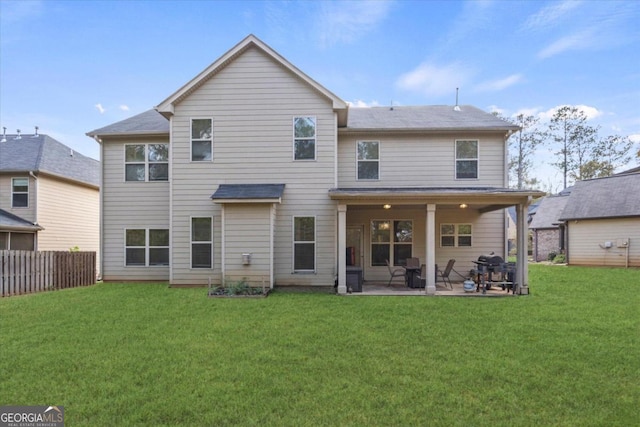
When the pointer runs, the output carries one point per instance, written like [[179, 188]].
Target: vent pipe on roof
[[19, 136], [35, 135], [457, 107], [4, 134]]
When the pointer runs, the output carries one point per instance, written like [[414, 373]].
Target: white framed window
[[19, 192], [146, 247], [368, 160], [456, 235], [391, 240], [201, 242], [304, 243], [304, 138], [467, 159], [201, 140], [146, 162]]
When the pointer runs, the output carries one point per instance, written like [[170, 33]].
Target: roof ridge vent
[[35, 135], [18, 136]]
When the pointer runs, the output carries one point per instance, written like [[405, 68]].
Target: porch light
[[386, 206], [463, 206]]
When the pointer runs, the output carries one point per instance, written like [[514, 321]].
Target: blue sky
[[72, 66]]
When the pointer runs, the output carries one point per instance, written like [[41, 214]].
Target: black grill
[[491, 262]]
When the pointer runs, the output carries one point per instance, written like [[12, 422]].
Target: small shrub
[[560, 259], [552, 255]]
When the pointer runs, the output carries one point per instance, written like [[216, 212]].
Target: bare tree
[[522, 146], [577, 140]]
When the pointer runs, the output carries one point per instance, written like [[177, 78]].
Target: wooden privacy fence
[[23, 272]]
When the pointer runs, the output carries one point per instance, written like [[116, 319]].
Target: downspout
[[35, 222], [101, 210]]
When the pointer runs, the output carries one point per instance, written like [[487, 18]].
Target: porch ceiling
[[483, 199]]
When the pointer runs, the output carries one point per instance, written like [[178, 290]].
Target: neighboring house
[[547, 232], [602, 221], [49, 195], [254, 170]]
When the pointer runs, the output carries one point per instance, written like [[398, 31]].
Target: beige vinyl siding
[[129, 205], [587, 236], [6, 195], [422, 161], [248, 230], [69, 214], [252, 102], [488, 235]]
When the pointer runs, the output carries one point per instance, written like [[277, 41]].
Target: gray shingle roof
[[149, 122], [428, 117], [248, 191], [14, 222], [548, 213], [613, 197], [41, 153]]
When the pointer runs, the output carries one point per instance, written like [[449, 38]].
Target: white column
[[522, 274], [342, 249], [430, 240]]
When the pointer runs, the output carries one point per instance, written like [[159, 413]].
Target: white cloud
[[501, 84], [100, 108], [347, 21], [363, 104], [590, 112], [124, 107], [435, 80], [550, 15], [578, 41]]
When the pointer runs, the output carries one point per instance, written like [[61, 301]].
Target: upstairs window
[[455, 235], [368, 160], [146, 162], [304, 138], [201, 140], [467, 159], [20, 192]]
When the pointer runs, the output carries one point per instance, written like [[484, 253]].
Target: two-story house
[[49, 195], [254, 170]]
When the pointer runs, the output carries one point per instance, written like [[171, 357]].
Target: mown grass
[[146, 354]]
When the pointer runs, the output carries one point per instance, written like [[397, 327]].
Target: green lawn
[[145, 354]]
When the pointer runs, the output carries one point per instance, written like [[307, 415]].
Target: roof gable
[[148, 123], [41, 153], [612, 197], [166, 107]]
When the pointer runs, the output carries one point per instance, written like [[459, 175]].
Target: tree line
[[581, 153]]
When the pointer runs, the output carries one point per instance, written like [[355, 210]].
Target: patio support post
[[430, 239], [342, 249], [522, 272]]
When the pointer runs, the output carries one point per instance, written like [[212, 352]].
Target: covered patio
[[426, 210]]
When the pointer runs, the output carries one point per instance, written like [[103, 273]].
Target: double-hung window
[[146, 247], [20, 192], [304, 243], [455, 235], [391, 237], [146, 162], [466, 159], [368, 160], [304, 138], [201, 242], [201, 140]]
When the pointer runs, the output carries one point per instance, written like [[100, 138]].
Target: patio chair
[[445, 274], [395, 272]]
